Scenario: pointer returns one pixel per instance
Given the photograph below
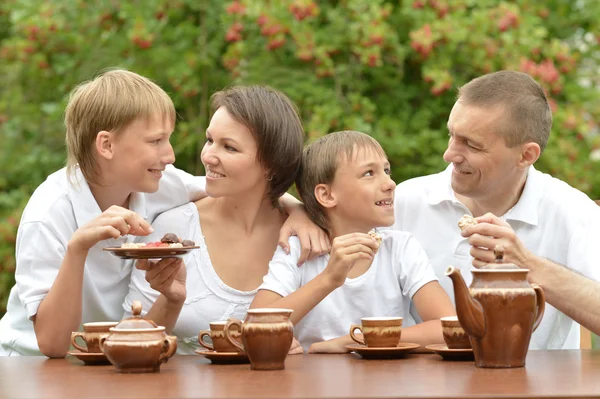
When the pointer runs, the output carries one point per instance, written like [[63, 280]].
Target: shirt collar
[[526, 209], [85, 206]]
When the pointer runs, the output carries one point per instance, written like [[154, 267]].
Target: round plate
[[91, 359], [149, 253], [224, 357], [383, 353], [451, 354]]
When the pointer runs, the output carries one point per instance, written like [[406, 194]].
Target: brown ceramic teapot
[[499, 311], [137, 345]]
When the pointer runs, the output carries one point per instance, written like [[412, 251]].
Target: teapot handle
[[169, 348], [231, 323], [540, 305]]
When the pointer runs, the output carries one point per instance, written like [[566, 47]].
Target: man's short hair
[[527, 114]]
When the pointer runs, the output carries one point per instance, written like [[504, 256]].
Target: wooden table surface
[[552, 374]]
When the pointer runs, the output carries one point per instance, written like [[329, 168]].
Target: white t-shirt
[[552, 219], [208, 297], [55, 210], [399, 269]]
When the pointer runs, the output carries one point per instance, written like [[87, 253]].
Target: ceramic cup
[[454, 335], [378, 332], [91, 335], [217, 336]]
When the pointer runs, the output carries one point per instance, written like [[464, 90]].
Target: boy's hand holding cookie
[[346, 250], [112, 223]]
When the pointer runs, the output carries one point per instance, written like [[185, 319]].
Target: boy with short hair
[[346, 187], [118, 130]]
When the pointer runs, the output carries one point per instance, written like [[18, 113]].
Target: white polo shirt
[[399, 269], [55, 210], [552, 219]]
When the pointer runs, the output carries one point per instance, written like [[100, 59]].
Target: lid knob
[[136, 308]]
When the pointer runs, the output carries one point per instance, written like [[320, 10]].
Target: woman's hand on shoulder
[[313, 240]]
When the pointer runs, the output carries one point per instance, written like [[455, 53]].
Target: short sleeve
[[582, 256], [284, 275], [39, 256], [415, 268]]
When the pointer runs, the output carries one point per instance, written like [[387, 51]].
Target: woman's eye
[[209, 140], [230, 148], [388, 171]]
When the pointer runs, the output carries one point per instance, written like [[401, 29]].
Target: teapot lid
[[499, 261], [136, 322]]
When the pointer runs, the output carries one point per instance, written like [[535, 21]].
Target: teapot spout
[[469, 311]]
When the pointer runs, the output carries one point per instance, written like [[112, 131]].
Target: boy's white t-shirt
[[399, 269], [208, 297], [54, 212]]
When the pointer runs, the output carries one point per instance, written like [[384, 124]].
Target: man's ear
[[104, 144], [530, 152], [324, 196]]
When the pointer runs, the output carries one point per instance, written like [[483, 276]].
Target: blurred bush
[[388, 68]]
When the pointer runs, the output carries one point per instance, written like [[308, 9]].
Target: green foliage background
[[388, 68]]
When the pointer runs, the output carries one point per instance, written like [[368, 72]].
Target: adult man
[[498, 129]]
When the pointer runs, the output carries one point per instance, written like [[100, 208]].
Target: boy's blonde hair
[[109, 102], [320, 161]]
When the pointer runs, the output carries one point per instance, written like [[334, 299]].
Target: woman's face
[[230, 158]]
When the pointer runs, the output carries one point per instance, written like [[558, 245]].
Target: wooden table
[[555, 374]]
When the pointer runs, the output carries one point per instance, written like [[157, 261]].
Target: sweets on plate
[[169, 240]]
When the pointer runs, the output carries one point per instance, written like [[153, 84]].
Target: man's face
[[484, 166], [364, 191]]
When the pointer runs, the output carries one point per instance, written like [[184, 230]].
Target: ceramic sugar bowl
[[137, 345]]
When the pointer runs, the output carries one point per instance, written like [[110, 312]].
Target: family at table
[[357, 245]]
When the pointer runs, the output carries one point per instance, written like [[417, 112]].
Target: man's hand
[[345, 252], [166, 276], [336, 345], [491, 231], [112, 223], [313, 239], [296, 348]]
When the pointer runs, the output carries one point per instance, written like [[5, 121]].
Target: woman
[[252, 156]]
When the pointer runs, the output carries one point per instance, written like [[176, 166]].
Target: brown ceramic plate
[[92, 359], [451, 354], [382, 353], [224, 357], [149, 253]]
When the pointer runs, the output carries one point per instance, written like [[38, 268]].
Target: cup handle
[[169, 348], [354, 337], [201, 335], [74, 336], [540, 305], [231, 323]]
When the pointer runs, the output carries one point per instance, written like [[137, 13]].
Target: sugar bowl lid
[[136, 322]]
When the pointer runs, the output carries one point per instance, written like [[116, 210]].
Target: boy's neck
[[109, 196], [343, 227]]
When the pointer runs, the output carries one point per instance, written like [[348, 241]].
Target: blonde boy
[[346, 187]]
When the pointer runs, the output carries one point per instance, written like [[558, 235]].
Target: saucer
[[224, 357], [383, 353], [451, 354], [150, 253], [91, 359]]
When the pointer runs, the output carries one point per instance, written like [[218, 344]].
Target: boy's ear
[[104, 144], [324, 196]]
